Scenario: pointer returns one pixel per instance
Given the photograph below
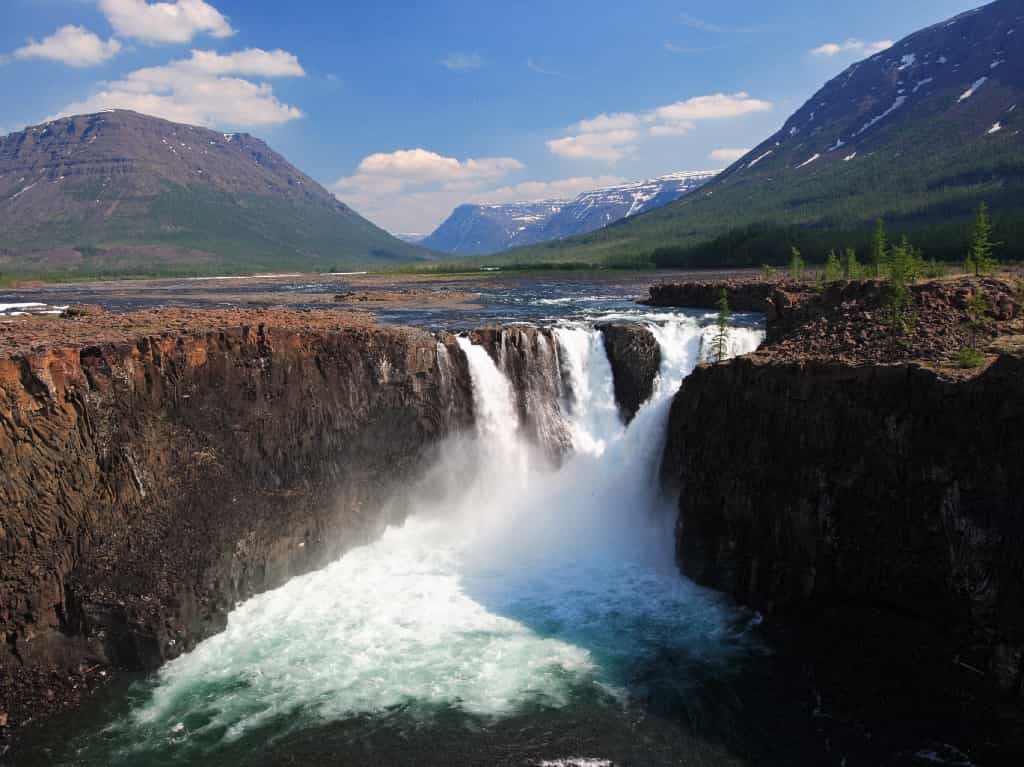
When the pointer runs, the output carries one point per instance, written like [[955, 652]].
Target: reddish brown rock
[[152, 481]]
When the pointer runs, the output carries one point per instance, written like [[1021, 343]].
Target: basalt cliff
[[154, 479], [161, 466], [849, 481], [856, 482]]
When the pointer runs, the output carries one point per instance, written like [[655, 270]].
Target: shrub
[[969, 358]]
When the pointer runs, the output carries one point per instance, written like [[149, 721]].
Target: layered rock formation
[[153, 481]]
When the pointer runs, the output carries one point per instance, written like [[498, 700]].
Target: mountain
[[122, 192], [481, 229], [918, 134], [473, 230]]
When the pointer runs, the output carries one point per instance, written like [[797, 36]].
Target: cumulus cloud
[[413, 190], [613, 137], [532, 191], [178, 21], [462, 62], [609, 146], [852, 47], [72, 45], [727, 155], [205, 89]]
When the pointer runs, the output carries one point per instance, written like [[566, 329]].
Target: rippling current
[[525, 614]]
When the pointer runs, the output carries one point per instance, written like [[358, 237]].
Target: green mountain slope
[[918, 134], [122, 192]]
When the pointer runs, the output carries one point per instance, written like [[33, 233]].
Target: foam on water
[[518, 585]]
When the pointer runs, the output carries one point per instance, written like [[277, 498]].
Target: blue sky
[[408, 109]]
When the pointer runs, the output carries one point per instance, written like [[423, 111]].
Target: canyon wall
[[883, 502], [150, 484]]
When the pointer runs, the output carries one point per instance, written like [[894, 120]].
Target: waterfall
[[593, 415], [497, 420], [514, 585]]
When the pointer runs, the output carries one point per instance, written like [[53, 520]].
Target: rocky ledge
[[161, 466], [864, 487]]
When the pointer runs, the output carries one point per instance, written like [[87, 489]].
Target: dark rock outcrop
[[744, 295], [635, 357], [878, 506], [849, 321], [150, 484]]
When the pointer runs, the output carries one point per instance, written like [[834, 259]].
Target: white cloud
[[852, 47], [562, 189], [205, 89], [609, 146], [421, 165], [613, 137], [251, 62], [462, 62], [727, 155], [177, 21], [715, 107], [72, 45], [413, 190]]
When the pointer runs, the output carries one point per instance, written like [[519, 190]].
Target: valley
[[714, 468]]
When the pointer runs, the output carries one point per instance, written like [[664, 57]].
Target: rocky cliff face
[[149, 484], [881, 506], [635, 357], [810, 485], [529, 358]]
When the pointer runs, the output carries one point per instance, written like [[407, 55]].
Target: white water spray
[[519, 585]]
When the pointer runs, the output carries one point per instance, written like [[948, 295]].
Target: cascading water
[[516, 587]]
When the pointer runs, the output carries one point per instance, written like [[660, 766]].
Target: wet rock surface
[[152, 481], [529, 358], [635, 357]]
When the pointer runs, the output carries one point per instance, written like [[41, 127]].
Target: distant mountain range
[[119, 192], [918, 134], [474, 230]]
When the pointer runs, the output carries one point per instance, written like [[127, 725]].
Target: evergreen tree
[[720, 344], [851, 269], [903, 267], [978, 307], [879, 249], [833, 268], [981, 257], [796, 265]]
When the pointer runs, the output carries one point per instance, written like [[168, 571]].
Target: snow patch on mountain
[[493, 228], [972, 90], [900, 101]]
